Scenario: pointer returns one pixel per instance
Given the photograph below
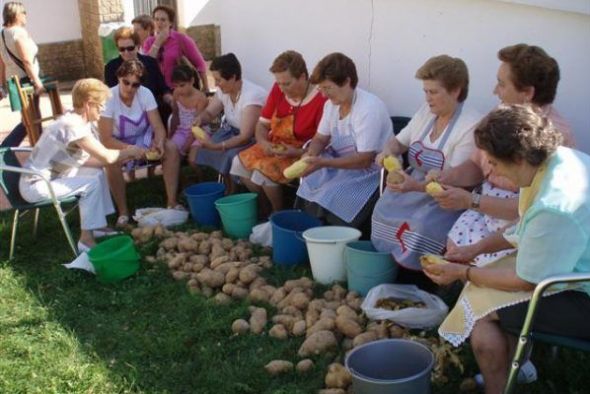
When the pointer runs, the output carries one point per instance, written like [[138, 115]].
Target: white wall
[[52, 20], [390, 39]]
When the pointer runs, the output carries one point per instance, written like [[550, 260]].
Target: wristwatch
[[475, 197]]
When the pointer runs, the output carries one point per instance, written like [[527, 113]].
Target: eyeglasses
[[134, 85], [130, 48]]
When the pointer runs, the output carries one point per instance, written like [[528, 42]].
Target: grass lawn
[[61, 331]]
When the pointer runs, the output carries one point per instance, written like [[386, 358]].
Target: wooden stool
[[30, 111]]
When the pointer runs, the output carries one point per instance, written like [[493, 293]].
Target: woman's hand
[[380, 157], [461, 254], [286, 151], [158, 144], [453, 198], [409, 184], [444, 274], [432, 176], [314, 163], [135, 152], [161, 37]]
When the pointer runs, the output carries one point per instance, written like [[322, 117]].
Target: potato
[[257, 283], [179, 275], [136, 233], [321, 325], [198, 267], [169, 243], [222, 299], [216, 234], [304, 365], [211, 278], [199, 259], [319, 342], [328, 313], [277, 296], [394, 178], [177, 261], [339, 292], [331, 391], [151, 259], [346, 344], [217, 251], [392, 163], [316, 304], [348, 327], [429, 259], [300, 301], [199, 133], [276, 367], [293, 311], [153, 155], [338, 377], [396, 331], [224, 268], [205, 247], [311, 317], [364, 337], [200, 236], [347, 311], [207, 291], [258, 320], [298, 328], [240, 327], [187, 244], [286, 320], [468, 384], [258, 295], [239, 292], [302, 282], [218, 261], [380, 329], [228, 288], [278, 331], [296, 169], [248, 274], [433, 188]]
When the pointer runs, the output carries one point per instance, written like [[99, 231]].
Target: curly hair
[[291, 61], [531, 66], [335, 67], [451, 72], [512, 133], [131, 67]]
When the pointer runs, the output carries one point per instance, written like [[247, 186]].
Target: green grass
[[61, 331]]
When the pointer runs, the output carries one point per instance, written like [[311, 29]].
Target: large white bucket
[[325, 246]]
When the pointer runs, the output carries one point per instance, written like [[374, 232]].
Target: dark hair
[[183, 73], [451, 72], [131, 67], [227, 66], [516, 132], [145, 21], [290, 61], [168, 10], [531, 66], [335, 67]]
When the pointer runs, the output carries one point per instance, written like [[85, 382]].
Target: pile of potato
[[226, 270]]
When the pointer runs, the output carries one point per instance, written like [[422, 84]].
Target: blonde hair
[[89, 89], [10, 11]]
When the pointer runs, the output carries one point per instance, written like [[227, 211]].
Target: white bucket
[[325, 246]]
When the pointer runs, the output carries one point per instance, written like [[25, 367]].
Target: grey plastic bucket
[[390, 366]]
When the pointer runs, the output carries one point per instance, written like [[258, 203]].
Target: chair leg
[[36, 223], [13, 235], [219, 177], [64, 224]]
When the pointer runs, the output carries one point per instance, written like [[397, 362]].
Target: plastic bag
[[166, 217], [428, 317], [262, 234]]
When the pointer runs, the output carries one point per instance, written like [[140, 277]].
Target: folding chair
[[31, 115], [10, 172], [526, 333], [399, 122]]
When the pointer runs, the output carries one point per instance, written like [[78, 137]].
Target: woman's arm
[[105, 131], [3, 82], [455, 198], [494, 242], [392, 147], [466, 174], [24, 51], [261, 133], [104, 155], [174, 120], [214, 108], [159, 129]]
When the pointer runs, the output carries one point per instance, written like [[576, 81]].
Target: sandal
[[122, 221]]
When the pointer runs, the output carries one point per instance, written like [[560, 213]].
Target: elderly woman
[[552, 237], [168, 46], [407, 221], [144, 26], [289, 118], [240, 101], [70, 156], [131, 118], [18, 56], [526, 75], [355, 126]]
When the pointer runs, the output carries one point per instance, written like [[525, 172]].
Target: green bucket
[[238, 214], [367, 268], [114, 259]]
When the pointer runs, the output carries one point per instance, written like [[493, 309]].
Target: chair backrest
[[9, 180], [399, 122]]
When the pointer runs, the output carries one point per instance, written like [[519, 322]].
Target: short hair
[[227, 66], [517, 132], [125, 33], [335, 67], [168, 10], [145, 21], [89, 89], [291, 61], [183, 73], [531, 66], [451, 72], [10, 11], [131, 67]]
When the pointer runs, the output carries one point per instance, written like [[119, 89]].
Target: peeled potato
[[199, 133], [429, 259], [153, 154], [391, 163], [433, 188], [296, 169], [279, 147]]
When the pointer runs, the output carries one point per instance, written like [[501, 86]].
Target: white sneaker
[[526, 374]]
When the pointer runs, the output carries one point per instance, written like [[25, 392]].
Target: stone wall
[[63, 60], [208, 39]]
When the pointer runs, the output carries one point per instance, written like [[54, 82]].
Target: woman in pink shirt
[[169, 46]]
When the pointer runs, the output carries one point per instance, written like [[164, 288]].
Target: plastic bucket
[[325, 246], [114, 259], [238, 214], [288, 247], [201, 201], [367, 268], [390, 366]]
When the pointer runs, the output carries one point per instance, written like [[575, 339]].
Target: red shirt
[[307, 117]]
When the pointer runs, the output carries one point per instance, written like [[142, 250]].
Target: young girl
[[188, 103]]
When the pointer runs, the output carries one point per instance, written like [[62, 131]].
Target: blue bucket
[[201, 200], [288, 246], [367, 268]]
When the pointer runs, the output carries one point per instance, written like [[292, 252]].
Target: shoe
[[526, 374], [82, 247], [104, 232], [122, 221]]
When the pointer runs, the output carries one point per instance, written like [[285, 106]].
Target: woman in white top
[[241, 102], [71, 157], [131, 118], [341, 181], [407, 221]]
